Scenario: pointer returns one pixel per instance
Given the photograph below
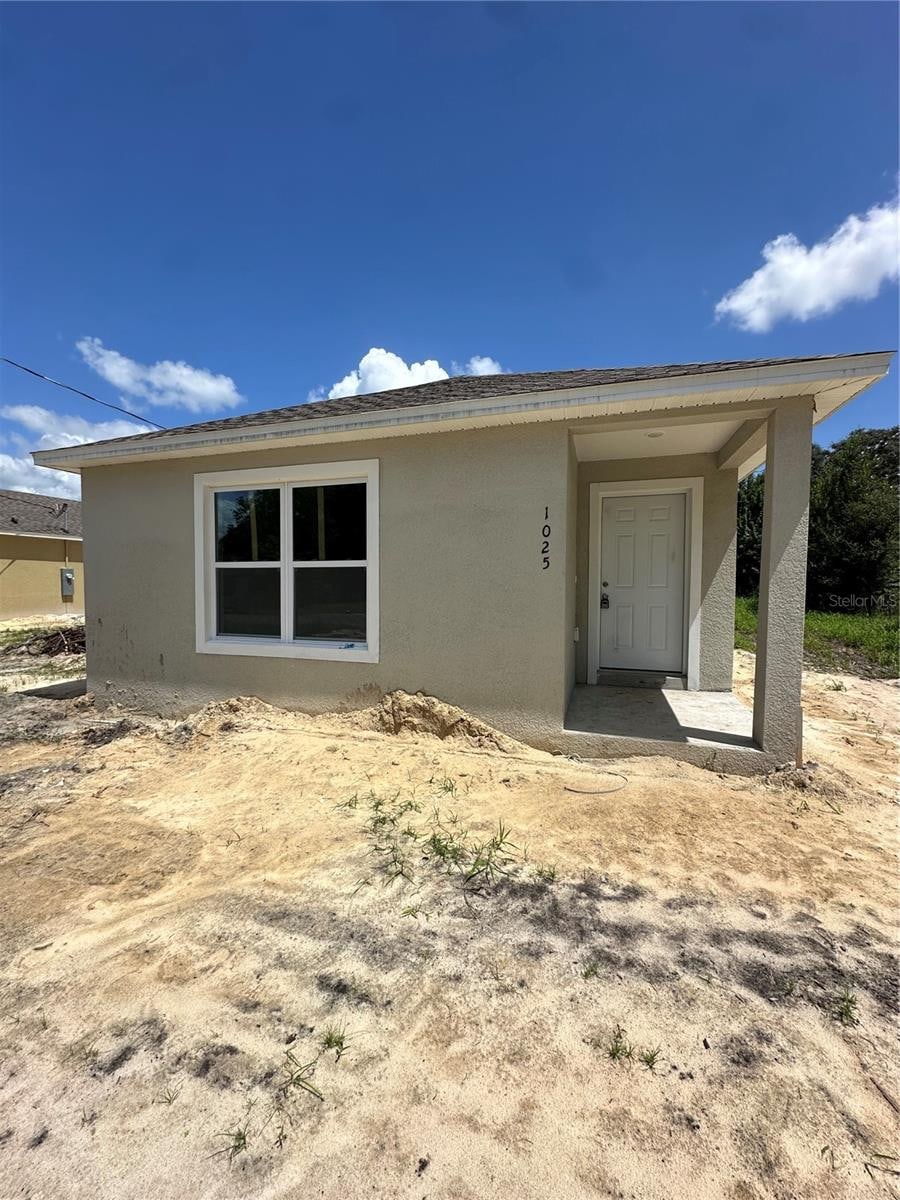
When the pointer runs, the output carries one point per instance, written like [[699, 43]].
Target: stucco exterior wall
[[718, 554], [467, 612], [29, 577], [571, 566]]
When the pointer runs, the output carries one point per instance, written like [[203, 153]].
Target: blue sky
[[215, 208]]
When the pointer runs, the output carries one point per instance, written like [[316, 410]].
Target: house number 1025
[[545, 541]]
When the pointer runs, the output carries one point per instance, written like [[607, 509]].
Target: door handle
[[604, 600]]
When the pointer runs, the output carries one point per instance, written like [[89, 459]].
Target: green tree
[[853, 545], [853, 521], [749, 533]]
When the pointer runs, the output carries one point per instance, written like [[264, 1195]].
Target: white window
[[286, 561]]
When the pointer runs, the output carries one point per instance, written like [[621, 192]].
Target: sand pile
[[405, 715]]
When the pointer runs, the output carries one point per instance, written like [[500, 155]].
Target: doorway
[[642, 576], [671, 634]]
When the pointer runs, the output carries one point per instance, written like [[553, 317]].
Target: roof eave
[[859, 369], [30, 533]]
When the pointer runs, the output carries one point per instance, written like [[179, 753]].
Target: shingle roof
[[24, 512], [466, 387]]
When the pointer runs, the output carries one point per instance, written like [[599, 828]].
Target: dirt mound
[[226, 716], [829, 784], [401, 713]]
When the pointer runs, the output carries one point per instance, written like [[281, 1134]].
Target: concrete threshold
[[710, 729]]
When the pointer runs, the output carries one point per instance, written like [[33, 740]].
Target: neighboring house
[[524, 546], [40, 556]]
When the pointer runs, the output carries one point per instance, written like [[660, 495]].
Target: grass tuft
[[619, 1048], [650, 1057], [299, 1075], [844, 1009], [335, 1038]]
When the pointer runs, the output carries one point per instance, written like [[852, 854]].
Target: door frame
[[692, 488]]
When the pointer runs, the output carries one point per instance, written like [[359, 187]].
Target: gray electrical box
[[66, 582]]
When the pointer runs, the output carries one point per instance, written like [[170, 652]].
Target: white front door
[[642, 583]]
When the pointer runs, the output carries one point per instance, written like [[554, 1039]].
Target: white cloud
[[62, 429], [381, 370], [799, 282], [21, 475], [52, 429], [176, 384], [482, 364]]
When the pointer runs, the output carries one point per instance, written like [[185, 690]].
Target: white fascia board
[[804, 378], [53, 537], [827, 402]]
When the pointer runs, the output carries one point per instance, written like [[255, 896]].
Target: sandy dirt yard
[[392, 954]]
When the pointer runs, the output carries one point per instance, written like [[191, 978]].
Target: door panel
[[642, 574]]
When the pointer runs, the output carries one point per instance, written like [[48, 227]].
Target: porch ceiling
[[661, 439]]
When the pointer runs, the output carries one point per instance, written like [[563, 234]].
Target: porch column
[[777, 717]]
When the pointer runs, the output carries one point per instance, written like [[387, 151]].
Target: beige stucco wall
[[467, 613], [571, 565], [719, 551], [29, 576]]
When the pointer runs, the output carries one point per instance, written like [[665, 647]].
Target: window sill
[[274, 648]]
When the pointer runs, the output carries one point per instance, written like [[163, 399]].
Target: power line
[[78, 392], [34, 503]]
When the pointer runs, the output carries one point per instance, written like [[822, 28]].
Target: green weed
[[414, 910], [619, 1048], [650, 1057], [299, 1075], [844, 1009], [335, 1038], [236, 1140]]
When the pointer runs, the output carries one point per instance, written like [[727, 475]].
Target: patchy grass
[[745, 623], [835, 641], [12, 637]]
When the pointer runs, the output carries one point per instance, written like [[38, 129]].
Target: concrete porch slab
[[710, 729]]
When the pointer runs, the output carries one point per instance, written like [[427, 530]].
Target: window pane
[[248, 526], [330, 602], [248, 601], [330, 522]]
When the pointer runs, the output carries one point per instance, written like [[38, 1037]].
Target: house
[[40, 556], [524, 546]]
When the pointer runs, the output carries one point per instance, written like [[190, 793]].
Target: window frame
[[206, 484]]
